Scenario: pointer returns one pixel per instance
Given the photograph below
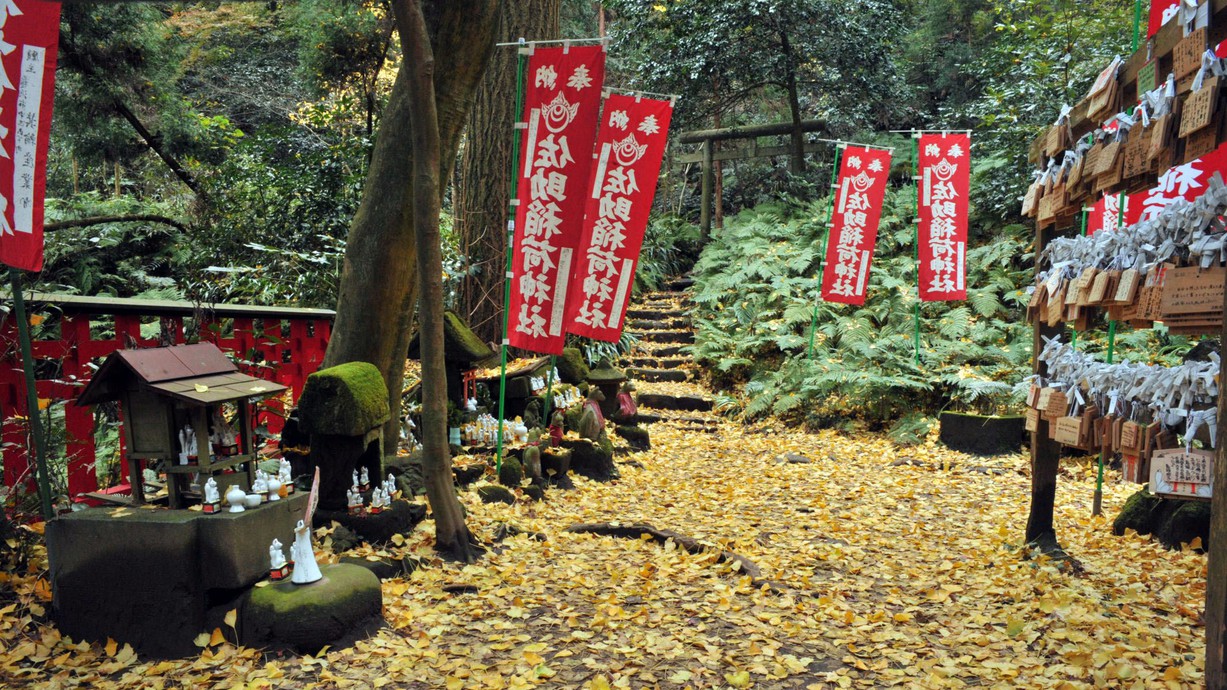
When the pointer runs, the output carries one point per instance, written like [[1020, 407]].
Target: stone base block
[[346, 604]]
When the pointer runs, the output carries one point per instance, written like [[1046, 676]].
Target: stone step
[[676, 375], [686, 403], [679, 284], [665, 351], [682, 337], [657, 362], [639, 312], [658, 324]]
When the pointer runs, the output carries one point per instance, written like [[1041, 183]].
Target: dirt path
[[887, 574]]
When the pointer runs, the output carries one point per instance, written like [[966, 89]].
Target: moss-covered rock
[[460, 343], [636, 436], [572, 417], [535, 493], [346, 400], [605, 373], [556, 466], [493, 493], [592, 460], [1138, 514], [511, 473], [571, 366], [1190, 520], [306, 618], [398, 518]]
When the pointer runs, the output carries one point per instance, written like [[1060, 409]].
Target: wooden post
[[1045, 452], [708, 176], [1216, 573]]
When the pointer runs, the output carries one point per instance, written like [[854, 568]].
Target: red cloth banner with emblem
[[1161, 12], [29, 36], [854, 225], [945, 181], [1187, 181], [629, 150], [561, 110], [1105, 214]]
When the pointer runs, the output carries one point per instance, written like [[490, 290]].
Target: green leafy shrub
[[756, 290]]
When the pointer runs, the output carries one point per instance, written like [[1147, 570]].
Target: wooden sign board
[[1148, 78], [1032, 423], [1201, 143], [1186, 57], [1108, 159], [1045, 396], [1127, 288], [1193, 290], [1058, 405], [1069, 431], [1137, 161], [1199, 108], [1182, 473]]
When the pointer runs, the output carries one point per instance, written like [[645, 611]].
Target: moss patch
[[346, 400], [571, 366], [493, 493], [1191, 520], [460, 344], [511, 473], [1138, 514], [605, 373], [309, 617]]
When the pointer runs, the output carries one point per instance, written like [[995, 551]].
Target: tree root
[[1046, 544], [688, 544]]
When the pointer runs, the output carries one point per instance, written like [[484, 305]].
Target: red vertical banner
[[945, 181], [561, 108], [629, 150], [1106, 214], [1161, 12], [29, 36], [863, 176]]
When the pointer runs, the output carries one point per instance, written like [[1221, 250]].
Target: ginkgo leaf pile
[[887, 573]]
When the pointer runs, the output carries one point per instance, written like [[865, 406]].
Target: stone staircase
[[661, 365]]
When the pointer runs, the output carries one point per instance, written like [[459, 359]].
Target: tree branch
[[99, 220]]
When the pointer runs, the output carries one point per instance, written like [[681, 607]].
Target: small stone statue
[[211, 496], [353, 499], [389, 485], [532, 457], [260, 486], [306, 570], [276, 557], [592, 422], [470, 404], [365, 480], [356, 482], [187, 444], [283, 473], [557, 423], [627, 409], [378, 500]]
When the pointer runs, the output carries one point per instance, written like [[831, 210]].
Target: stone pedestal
[[345, 604], [150, 577]]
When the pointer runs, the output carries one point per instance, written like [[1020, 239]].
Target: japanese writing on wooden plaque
[[1183, 473], [1193, 290]]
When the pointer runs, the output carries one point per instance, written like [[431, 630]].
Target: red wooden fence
[[280, 344]]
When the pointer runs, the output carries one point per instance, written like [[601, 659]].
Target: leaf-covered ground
[[905, 575]]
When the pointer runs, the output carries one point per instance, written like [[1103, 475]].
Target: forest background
[[235, 139]]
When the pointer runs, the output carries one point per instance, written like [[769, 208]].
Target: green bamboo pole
[[27, 365], [1137, 24], [813, 326], [916, 248], [511, 211]]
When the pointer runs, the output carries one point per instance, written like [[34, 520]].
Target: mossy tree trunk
[[379, 276], [483, 184], [452, 536], [1216, 574]]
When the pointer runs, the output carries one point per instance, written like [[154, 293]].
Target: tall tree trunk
[[452, 536], [797, 162], [484, 184], [379, 275], [718, 170]]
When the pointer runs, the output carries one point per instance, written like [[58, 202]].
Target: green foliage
[[756, 292]]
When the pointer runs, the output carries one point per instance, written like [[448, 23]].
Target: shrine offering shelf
[[224, 464]]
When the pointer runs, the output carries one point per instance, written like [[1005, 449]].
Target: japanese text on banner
[[561, 108], [854, 226], [630, 148], [945, 181], [29, 36]]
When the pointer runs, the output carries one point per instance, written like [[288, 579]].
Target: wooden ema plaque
[[1130, 437], [1186, 57], [1030, 201], [1148, 77], [1137, 162], [1058, 405], [1160, 136], [1182, 473], [1069, 431], [1199, 108], [1107, 159], [1099, 289], [1055, 143], [1032, 423], [1044, 398], [1127, 288], [1132, 468], [1086, 285], [1192, 301], [1201, 143]]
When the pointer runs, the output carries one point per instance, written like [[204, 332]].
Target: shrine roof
[[200, 374]]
